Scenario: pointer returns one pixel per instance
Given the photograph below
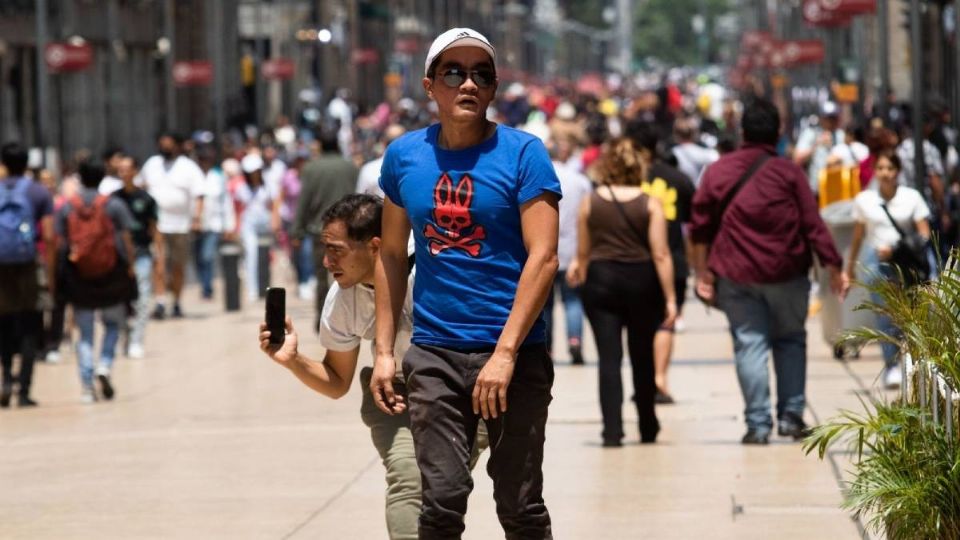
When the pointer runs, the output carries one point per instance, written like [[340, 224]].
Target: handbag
[[910, 254], [724, 204]]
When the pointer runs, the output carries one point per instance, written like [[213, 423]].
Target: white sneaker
[[892, 378], [53, 357], [305, 292], [88, 396], [103, 370], [679, 326], [135, 351]]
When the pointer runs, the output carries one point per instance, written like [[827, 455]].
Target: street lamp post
[[916, 64], [170, 92], [42, 80], [883, 21]]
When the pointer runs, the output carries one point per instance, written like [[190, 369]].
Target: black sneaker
[[612, 443], [177, 312], [25, 401], [576, 355], [792, 425], [105, 387], [159, 313], [663, 398], [5, 394], [756, 437]]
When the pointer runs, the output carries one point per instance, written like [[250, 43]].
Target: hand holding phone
[[276, 313]]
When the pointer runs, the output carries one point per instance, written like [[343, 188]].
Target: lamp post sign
[[193, 73], [65, 57]]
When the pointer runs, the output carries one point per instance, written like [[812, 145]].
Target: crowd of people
[[447, 226]]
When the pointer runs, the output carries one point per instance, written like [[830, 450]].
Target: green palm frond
[[906, 473]]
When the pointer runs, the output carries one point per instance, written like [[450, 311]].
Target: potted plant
[[906, 472]]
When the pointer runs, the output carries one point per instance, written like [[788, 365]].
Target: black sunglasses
[[483, 78]]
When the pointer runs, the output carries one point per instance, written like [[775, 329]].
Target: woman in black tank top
[[624, 264]]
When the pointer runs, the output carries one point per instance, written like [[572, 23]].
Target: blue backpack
[[17, 223]]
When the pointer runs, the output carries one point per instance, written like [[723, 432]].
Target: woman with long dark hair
[[623, 261], [882, 215]]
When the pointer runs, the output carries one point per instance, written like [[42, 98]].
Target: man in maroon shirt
[[754, 257]]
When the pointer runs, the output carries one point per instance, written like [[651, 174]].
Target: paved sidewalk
[[208, 439]]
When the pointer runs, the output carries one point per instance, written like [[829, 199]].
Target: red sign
[[278, 69], [807, 51], [193, 73], [815, 15], [62, 57], [849, 7], [755, 39], [365, 56], [408, 45]]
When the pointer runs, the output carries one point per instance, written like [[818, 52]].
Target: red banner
[[365, 56], [815, 15], [754, 39], [193, 73], [807, 51], [63, 57], [281, 69], [849, 7]]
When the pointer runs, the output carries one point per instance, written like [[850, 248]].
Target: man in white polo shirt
[[351, 237], [177, 184]]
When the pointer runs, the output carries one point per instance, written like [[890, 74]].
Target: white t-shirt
[[273, 175], [575, 187], [907, 207], [368, 181], [850, 154], [174, 185], [693, 158], [349, 316], [109, 185], [218, 212]]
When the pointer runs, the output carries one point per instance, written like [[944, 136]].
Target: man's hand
[[706, 288], [884, 253], [839, 282], [576, 274], [381, 386], [492, 383], [284, 354]]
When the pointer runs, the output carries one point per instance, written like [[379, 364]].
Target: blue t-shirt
[[464, 206]]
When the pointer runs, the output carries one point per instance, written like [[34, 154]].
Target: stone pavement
[[207, 438]]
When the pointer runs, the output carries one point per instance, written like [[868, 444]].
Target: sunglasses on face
[[454, 77]]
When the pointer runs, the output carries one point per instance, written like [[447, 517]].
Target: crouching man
[[351, 238]]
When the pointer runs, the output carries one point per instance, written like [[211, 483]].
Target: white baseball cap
[[458, 37], [251, 163]]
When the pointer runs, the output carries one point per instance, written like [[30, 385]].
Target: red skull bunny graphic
[[454, 228]]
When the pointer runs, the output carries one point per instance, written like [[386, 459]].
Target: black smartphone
[[276, 313]]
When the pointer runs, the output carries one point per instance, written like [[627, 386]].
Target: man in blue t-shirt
[[481, 200]]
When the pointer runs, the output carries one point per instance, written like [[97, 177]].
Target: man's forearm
[[699, 257], [391, 289], [532, 289], [320, 377]]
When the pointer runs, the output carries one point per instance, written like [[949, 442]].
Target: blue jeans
[[765, 318], [112, 317], [205, 253], [572, 308], [143, 267], [303, 260]]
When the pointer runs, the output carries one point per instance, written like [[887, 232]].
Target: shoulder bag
[[910, 254], [726, 202]]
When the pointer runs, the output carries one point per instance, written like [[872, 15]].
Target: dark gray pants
[[440, 384]]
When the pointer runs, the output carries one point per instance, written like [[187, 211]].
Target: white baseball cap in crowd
[[458, 37], [251, 163]]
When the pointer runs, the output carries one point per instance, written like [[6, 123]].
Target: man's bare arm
[[390, 281], [539, 220]]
